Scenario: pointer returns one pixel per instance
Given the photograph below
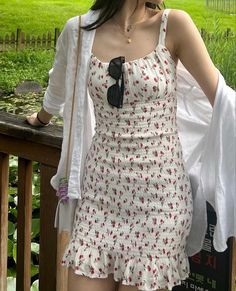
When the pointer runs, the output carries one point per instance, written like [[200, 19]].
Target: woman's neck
[[132, 12]]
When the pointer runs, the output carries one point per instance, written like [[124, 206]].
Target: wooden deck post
[[4, 173], [24, 217], [29, 144], [48, 234], [233, 264]]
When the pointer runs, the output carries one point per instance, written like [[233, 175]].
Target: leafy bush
[[24, 65], [12, 224]]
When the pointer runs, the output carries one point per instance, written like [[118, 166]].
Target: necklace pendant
[[129, 40], [129, 28]]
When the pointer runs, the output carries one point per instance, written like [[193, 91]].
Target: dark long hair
[[108, 10]]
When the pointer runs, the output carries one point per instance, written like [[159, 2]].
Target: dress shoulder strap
[[163, 27]]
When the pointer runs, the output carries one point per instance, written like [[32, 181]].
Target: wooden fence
[[228, 6], [20, 40]]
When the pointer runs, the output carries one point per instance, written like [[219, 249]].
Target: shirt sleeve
[[54, 96]]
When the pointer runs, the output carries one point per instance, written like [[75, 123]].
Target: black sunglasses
[[115, 92]]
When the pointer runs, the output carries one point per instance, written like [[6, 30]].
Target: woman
[[134, 216]]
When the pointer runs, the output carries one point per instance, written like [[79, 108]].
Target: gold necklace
[[130, 28]]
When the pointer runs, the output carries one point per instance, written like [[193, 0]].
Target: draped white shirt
[[208, 137]]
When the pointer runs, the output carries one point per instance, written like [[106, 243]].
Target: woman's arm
[[192, 52], [54, 96]]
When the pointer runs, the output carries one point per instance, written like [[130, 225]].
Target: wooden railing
[[29, 144]]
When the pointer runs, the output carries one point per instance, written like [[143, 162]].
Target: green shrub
[[24, 65], [12, 224]]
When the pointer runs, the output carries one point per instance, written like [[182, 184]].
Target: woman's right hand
[[33, 120]]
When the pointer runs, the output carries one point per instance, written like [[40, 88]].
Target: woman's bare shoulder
[[179, 15], [189, 47], [181, 28], [179, 21]]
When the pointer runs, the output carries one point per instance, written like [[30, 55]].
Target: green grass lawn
[[37, 17], [202, 15]]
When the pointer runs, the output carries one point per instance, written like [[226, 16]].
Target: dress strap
[[163, 27]]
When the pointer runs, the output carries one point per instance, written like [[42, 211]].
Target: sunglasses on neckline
[[115, 92]]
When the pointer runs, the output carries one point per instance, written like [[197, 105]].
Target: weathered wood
[[33, 42], [7, 41], [44, 41], [38, 42], [24, 217], [233, 264], [22, 40], [13, 40], [49, 40], [56, 35], [18, 39], [28, 150], [16, 126], [30, 144], [1, 44], [4, 175], [48, 234], [28, 41]]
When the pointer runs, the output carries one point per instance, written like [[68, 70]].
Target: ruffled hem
[[147, 272]]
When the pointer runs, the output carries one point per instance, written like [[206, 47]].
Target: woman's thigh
[[82, 283]]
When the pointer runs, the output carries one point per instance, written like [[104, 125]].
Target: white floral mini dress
[[136, 208]]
